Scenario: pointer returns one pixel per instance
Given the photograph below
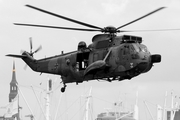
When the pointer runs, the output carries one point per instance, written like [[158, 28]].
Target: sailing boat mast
[[87, 105], [48, 91], [136, 112]]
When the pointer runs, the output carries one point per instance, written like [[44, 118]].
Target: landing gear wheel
[[63, 89]]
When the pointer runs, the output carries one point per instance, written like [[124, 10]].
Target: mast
[[172, 105], [164, 110], [136, 112], [47, 102], [87, 105], [48, 91]]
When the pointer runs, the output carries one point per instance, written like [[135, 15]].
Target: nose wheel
[[63, 88]]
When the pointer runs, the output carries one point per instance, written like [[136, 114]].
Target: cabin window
[[82, 60]]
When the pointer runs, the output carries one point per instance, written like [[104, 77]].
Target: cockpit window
[[126, 50], [144, 48], [132, 49], [140, 48], [136, 48]]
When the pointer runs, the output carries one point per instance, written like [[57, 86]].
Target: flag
[[8, 113], [12, 108], [15, 105]]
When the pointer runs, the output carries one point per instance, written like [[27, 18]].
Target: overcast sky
[[162, 77]]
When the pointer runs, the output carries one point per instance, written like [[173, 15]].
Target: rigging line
[[28, 87], [85, 93], [152, 117], [60, 97], [91, 109], [39, 103], [83, 114], [24, 86], [56, 87], [78, 111], [152, 103], [145, 111], [69, 107], [25, 100], [91, 112], [94, 111], [41, 97], [102, 99], [52, 95], [52, 91]]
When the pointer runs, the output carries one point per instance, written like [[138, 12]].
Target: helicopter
[[109, 57]]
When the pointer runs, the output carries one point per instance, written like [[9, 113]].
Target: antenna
[[164, 110]]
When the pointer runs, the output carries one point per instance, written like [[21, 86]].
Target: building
[[13, 93], [120, 113], [13, 85], [176, 116]]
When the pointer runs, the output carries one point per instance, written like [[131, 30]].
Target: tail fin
[[27, 58]]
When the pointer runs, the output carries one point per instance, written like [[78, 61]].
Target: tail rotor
[[31, 47], [31, 53]]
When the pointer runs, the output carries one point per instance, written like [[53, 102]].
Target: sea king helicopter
[[109, 57]]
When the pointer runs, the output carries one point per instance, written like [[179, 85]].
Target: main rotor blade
[[65, 18], [141, 17], [156, 30], [67, 28]]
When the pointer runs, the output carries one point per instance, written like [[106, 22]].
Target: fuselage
[[105, 58]]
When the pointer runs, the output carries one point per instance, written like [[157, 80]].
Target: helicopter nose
[[156, 58]]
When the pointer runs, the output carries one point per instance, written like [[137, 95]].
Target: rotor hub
[[110, 29]]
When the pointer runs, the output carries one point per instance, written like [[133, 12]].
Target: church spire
[[13, 86], [13, 74]]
